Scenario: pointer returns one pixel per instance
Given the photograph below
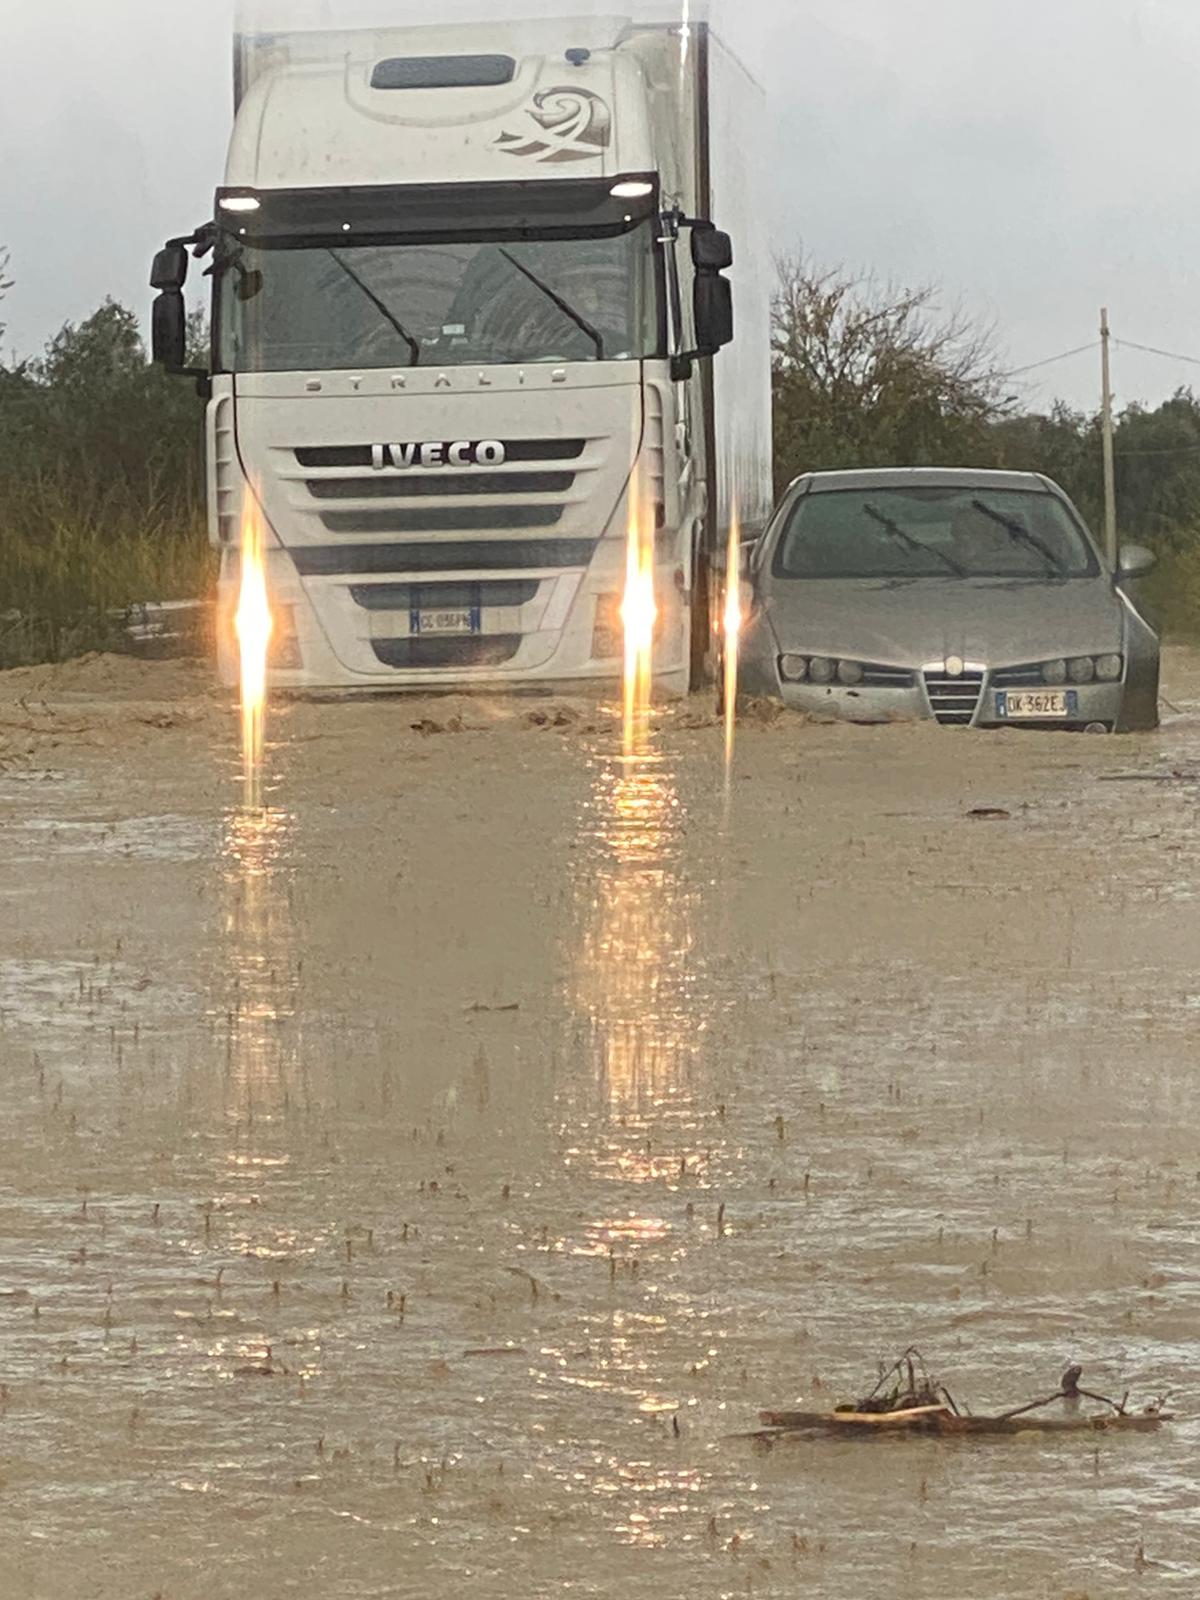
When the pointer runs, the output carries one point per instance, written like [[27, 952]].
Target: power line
[[1064, 355], [1082, 349], [1152, 350]]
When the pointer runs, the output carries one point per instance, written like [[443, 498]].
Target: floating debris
[[907, 1400]]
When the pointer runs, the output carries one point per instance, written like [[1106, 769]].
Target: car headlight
[[1054, 671], [1081, 670], [821, 669], [794, 669], [1109, 668], [849, 672]]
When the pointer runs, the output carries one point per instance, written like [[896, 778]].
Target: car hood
[[907, 623]]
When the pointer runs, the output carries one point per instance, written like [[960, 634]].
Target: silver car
[[973, 598]]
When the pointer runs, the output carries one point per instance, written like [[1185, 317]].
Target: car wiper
[[1020, 534], [911, 543], [567, 309], [381, 307]]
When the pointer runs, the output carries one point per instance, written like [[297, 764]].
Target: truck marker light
[[632, 189], [240, 202]]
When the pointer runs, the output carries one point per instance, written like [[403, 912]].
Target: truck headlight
[[1081, 670], [821, 669], [793, 669], [849, 672], [1055, 671], [1109, 668]]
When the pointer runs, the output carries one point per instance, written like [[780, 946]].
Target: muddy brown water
[[361, 1164]]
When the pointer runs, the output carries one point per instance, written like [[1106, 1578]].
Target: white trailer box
[[470, 319]]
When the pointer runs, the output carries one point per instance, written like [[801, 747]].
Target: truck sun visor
[[443, 72], [549, 208]]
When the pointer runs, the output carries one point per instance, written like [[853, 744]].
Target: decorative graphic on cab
[[573, 125]]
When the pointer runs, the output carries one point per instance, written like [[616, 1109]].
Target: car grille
[[876, 677], [954, 701], [1029, 676]]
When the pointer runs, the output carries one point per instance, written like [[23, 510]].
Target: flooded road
[[410, 1188]]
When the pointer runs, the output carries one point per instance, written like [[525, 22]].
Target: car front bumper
[[1094, 704]]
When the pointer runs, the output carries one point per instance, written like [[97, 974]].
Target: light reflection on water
[[636, 989], [262, 971]]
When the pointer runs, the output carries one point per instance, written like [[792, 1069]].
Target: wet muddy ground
[[362, 1164]]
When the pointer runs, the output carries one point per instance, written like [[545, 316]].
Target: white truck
[[468, 293]]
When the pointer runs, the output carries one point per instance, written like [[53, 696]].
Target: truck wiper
[[564, 306], [1020, 534], [911, 543], [384, 311]]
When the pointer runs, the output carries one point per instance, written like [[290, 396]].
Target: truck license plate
[[1035, 703], [459, 619]]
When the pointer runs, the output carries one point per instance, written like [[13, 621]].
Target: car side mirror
[[170, 267], [746, 554], [1135, 561]]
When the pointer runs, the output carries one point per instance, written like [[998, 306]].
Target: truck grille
[[443, 519], [333, 456], [954, 701], [476, 650], [498, 539], [530, 491], [443, 596], [398, 486], [362, 560]]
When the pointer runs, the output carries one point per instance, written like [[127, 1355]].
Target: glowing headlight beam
[[639, 614], [733, 630], [253, 625]]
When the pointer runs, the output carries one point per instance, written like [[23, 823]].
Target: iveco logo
[[464, 453]]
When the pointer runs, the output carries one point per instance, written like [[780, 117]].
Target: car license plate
[[457, 619], [1026, 704]]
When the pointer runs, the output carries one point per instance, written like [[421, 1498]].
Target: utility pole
[[1110, 474]]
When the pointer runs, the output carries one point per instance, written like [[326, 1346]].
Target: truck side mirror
[[170, 267], [714, 313], [168, 330], [712, 250]]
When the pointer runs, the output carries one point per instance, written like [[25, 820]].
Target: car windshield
[[286, 309], [954, 533]]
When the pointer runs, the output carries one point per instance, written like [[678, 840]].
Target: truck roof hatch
[[443, 72]]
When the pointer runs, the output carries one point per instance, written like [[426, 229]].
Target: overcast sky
[[1035, 158]]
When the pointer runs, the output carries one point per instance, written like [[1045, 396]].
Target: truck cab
[[468, 292]]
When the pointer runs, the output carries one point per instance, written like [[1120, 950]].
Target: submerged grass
[[70, 573]]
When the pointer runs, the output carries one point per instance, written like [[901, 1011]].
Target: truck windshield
[[331, 308], [932, 533]]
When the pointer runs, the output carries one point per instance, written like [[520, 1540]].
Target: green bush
[[101, 491]]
